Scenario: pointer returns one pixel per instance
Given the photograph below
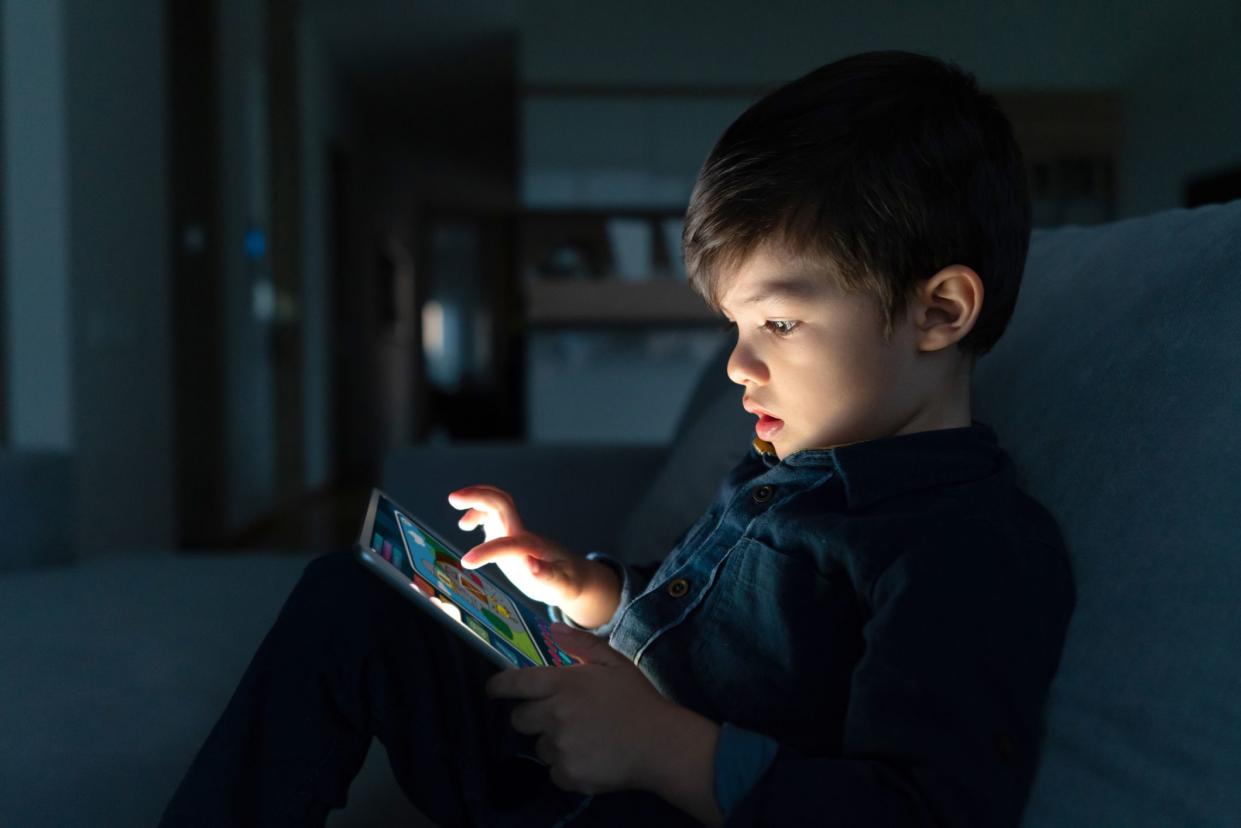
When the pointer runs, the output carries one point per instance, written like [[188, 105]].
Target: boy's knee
[[335, 589], [332, 565], [333, 573]]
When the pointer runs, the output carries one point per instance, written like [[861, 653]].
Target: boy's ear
[[946, 307]]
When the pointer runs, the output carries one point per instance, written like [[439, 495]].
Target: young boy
[[860, 630]]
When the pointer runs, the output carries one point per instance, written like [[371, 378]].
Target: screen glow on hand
[[451, 610]]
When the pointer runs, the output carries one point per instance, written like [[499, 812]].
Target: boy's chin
[[784, 445]]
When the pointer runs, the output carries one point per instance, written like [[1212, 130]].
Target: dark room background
[[248, 247]]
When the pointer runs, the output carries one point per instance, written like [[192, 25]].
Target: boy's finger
[[488, 499], [488, 487], [587, 646], [472, 519], [524, 683], [466, 499], [532, 717], [481, 491], [493, 550]]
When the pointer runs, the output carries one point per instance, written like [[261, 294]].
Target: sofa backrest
[[713, 434], [1117, 390]]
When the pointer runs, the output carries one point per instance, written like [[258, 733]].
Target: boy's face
[[814, 364]]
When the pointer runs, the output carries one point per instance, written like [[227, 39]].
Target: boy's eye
[[780, 327]]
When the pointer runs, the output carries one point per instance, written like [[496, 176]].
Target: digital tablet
[[399, 548]]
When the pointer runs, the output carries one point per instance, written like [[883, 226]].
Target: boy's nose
[[746, 369]]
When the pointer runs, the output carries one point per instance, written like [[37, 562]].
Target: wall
[[1182, 110], [250, 482], [119, 260], [1177, 66], [318, 105], [38, 323], [4, 315], [85, 258]]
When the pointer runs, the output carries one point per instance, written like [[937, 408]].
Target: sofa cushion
[[713, 435], [1117, 390], [115, 670]]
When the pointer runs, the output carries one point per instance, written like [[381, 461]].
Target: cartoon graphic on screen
[[472, 593]]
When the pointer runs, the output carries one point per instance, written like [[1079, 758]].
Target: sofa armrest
[[578, 494]]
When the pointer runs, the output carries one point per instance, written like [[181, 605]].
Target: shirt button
[[678, 587], [763, 493]]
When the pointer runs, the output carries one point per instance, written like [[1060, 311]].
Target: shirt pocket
[[774, 642], [757, 591], [689, 543]]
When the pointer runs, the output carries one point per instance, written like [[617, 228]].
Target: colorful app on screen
[[486, 605]]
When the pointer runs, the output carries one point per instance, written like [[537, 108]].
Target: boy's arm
[[613, 580], [708, 768], [598, 597], [704, 768], [943, 724]]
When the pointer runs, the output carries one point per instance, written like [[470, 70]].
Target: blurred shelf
[[1052, 123], [553, 302]]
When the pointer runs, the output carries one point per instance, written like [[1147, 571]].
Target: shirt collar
[[888, 466]]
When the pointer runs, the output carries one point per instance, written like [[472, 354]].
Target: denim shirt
[[875, 626]]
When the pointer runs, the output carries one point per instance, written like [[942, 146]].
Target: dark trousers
[[348, 659]]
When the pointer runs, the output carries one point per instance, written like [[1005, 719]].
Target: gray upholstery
[[114, 670], [1117, 389], [704, 448]]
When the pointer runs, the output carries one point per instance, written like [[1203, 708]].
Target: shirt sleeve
[[633, 579], [741, 758], [944, 720]]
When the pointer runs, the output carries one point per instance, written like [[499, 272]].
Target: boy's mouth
[[767, 426]]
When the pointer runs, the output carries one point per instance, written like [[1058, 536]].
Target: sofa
[[1116, 389]]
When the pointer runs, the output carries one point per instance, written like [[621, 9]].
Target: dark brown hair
[[884, 168]]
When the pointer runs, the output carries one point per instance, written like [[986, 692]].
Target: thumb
[[587, 646]]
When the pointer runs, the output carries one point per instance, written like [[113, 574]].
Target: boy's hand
[[541, 568], [601, 724]]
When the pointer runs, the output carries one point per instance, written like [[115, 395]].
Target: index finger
[[488, 499], [493, 550], [524, 683]]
